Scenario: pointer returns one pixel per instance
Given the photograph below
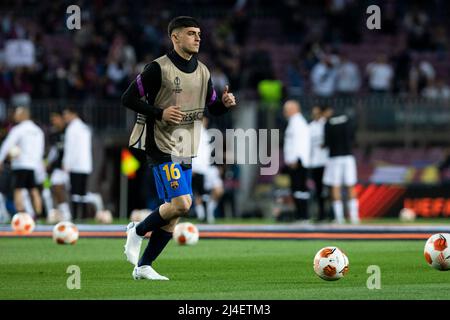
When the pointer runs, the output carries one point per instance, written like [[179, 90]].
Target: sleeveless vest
[[187, 90]]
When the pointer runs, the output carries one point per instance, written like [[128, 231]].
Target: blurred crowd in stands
[[41, 58]]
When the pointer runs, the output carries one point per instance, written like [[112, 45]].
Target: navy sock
[[152, 222], [158, 241]]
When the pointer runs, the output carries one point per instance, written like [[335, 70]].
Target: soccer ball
[[103, 216], [22, 223], [65, 232], [330, 263], [407, 215], [186, 233], [437, 251]]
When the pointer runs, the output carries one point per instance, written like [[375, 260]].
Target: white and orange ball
[[186, 233], [65, 232], [437, 251], [331, 263], [104, 216], [407, 215], [22, 223]]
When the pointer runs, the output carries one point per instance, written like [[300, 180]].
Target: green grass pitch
[[32, 268]]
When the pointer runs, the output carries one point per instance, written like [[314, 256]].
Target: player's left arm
[[218, 106]]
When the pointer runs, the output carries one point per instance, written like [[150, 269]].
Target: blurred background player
[[77, 159], [199, 166], [26, 141], [40, 175], [297, 156], [341, 167], [58, 177], [5, 192], [177, 87], [206, 181], [319, 157]]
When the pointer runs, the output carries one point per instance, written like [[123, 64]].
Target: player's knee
[[198, 200], [219, 192], [183, 210], [182, 205], [352, 192], [186, 206], [336, 193]]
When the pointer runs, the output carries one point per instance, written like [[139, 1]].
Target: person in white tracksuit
[[297, 148], [77, 160], [206, 181], [25, 144], [319, 157], [58, 177]]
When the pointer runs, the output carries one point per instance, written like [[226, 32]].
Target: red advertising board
[[387, 200]]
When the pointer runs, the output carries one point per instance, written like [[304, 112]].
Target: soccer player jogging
[[77, 159], [319, 157], [206, 181], [29, 139], [176, 87], [296, 150], [340, 169], [58, 177]]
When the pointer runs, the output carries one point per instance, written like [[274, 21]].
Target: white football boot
[[147, 272], [133, 245]]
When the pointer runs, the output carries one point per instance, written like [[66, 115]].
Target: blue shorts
[[172, 180]]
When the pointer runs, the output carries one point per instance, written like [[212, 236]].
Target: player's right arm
[[10, 141], [147, 84]]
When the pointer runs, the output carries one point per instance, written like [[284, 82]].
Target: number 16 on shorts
[[172, 180]]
